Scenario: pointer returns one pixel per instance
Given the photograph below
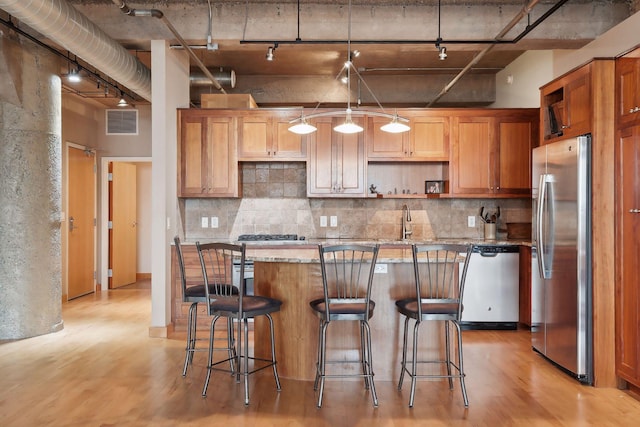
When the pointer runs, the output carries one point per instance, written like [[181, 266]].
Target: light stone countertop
[[392, 251]]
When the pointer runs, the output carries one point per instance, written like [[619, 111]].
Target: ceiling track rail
[[526, 9], [495, 41], [92, 74]]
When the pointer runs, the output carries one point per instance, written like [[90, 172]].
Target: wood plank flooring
[[102, 369]]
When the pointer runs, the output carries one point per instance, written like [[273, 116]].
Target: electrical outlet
[[471, 221], [323, 221], [204, 222], [381, 269], [214, 222], [334, 221]]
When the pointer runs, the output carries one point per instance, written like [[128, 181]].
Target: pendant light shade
[[395, 126], [348, 126], [302, 128]]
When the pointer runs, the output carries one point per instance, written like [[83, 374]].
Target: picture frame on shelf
[[433, 187]]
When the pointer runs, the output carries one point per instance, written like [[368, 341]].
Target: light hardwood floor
[[104, 370]]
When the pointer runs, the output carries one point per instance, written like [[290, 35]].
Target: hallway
[[104, 370]]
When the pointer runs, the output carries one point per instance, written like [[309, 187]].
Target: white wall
[[518, 85]]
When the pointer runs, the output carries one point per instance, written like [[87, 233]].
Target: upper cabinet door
[[383, 145], [473, 145], [254, 136], [516, 136], [627, 86], [429, 138], [265, 136], [336, 165], [207, 157], [577, 104]]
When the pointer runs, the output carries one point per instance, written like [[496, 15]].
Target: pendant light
[[349, 126]]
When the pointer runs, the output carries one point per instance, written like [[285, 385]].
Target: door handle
[[634, 210], [71, 224]]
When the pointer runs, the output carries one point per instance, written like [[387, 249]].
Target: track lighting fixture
[[270, 52], [123, 102], [74, 76], [443, 53]]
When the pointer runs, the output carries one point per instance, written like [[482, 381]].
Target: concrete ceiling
[[399, 60]]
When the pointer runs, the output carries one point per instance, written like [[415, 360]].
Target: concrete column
[[30, 190]]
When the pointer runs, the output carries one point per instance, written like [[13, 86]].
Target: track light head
[[443, 53], [271, 51]]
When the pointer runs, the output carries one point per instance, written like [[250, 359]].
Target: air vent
[[122, 122]]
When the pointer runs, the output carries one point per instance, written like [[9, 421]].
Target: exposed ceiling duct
[[224, 77], [158, 14], [62, 23]]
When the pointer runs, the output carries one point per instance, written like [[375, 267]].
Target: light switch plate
[[214, 222], [471, 221], [204, 222], [334, 221], [323, 221]]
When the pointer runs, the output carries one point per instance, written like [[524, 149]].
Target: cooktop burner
[[261, 237]]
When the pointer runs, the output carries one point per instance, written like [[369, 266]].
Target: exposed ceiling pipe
[[526, 9], [62, 23], [158, 14]]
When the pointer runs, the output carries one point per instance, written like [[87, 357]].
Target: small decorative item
[[433, 187], [372, 189]]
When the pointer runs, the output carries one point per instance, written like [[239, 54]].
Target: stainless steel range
[[248, 266]]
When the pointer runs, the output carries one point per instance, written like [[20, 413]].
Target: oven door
[[248, 276]]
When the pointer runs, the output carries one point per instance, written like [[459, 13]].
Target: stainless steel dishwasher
[[490, 298]]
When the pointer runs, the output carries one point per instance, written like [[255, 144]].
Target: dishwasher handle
[[488, 254]]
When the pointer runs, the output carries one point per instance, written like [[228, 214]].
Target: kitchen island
[[291, 273]]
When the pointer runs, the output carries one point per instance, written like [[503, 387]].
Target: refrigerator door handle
[[541, 200]]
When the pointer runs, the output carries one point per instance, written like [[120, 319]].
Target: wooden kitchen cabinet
[[628, 255], [207, 156], [491, 155], [628, 90], [524, 295], [566, 105], [336, 165], [428, 139], [265, 136]]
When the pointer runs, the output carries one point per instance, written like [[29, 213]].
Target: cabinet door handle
[[632, 110], [636, 109], [634, 210]]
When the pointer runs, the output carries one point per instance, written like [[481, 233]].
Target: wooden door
[[81, 222], [122, 214], [628, 255], [473, 142]]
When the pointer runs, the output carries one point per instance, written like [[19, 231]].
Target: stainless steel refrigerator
[[561, 286]]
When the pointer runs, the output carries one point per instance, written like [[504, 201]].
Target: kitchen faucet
[[406, 222]]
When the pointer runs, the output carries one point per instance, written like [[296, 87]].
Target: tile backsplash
[[274, 201]]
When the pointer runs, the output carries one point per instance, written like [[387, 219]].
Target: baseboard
[[143, 276], [159, 331]]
